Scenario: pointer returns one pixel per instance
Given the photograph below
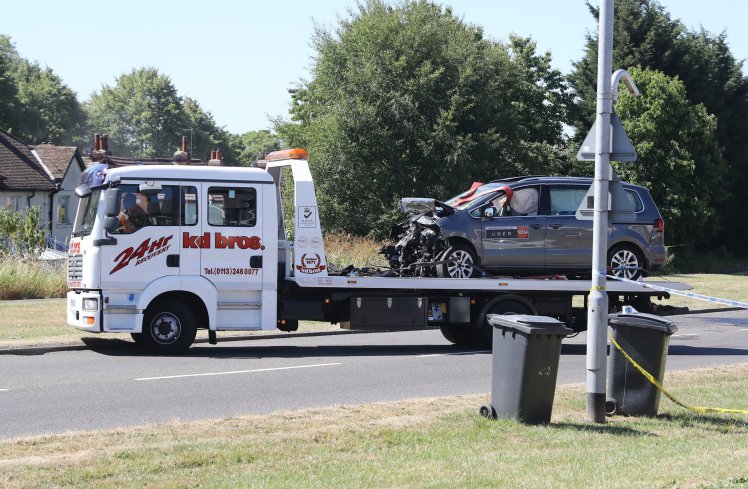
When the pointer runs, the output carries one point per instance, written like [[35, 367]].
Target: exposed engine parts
[[418, 240]]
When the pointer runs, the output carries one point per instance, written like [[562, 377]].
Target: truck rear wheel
[[168, 327], [505, 305]]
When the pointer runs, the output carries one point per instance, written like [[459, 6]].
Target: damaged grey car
[[522, 226]]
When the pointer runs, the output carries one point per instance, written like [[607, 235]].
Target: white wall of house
[[65, 204], [20, 200]]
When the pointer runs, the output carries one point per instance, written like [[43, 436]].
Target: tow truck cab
[[208, 241]]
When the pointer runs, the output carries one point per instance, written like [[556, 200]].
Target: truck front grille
[[75, 267]]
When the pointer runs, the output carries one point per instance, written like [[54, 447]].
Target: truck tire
[[461, 335], [505, 305], [168, 327]]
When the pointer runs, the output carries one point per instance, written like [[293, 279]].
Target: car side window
[[566, 201], [235, 207], [635, 200]]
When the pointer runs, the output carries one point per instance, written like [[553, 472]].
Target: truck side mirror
[[82, 190], [489, 211], [111, 223], [111, 202]]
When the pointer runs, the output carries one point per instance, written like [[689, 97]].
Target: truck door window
[[189, 206], [139, 210], [233, 207]]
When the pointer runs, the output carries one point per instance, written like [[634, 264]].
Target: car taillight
[[659, 226]]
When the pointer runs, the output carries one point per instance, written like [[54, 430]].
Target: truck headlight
[[90, 304]]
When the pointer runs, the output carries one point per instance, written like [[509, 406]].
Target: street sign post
[[610, 142]]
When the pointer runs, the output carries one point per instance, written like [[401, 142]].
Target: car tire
[[457, 261], [169, 327], [625, 261]]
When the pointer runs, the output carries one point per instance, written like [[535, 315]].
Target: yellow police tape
[[696, 409]]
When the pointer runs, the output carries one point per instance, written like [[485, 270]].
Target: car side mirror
[[489, 211]]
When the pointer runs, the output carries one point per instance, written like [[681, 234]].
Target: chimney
[[216, 158], [98, 153], [182, 157]]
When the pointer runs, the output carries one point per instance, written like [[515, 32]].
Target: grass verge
[[21, 279], [439, 442], [724, 286]]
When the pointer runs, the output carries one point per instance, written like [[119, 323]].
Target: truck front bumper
[[84, 310]]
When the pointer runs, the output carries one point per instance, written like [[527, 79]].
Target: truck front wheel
[[168, 327]]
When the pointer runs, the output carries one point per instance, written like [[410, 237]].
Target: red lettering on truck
[[146, 250]]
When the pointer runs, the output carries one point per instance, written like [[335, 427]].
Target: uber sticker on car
[[519, 232]]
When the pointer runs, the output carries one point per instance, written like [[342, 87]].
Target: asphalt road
[[117, 385]]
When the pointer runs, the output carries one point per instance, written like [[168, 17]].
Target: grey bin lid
[[641, 320], [527, 324]]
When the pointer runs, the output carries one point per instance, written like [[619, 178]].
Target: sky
[[238, 59]]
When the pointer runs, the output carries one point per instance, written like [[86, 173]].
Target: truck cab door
[[135, 254], [233, 257]]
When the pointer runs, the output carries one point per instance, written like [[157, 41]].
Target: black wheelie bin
[[645, 338], [526, 351]]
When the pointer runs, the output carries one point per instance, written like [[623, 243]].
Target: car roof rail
[[516, 179]]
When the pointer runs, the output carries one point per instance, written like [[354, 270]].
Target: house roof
[[117, 162], [57, 158], [19, 168]]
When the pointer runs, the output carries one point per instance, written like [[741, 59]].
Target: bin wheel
[[169, 327], [487, 411], [611, 406]]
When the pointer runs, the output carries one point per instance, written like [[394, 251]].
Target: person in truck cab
[[132, 217]]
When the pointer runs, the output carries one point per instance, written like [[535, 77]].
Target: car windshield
[[466, 199]]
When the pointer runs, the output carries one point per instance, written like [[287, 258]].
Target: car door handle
[[554, 226], [536, 226]]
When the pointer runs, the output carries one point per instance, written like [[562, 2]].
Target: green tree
[[408, 100], [142, 113], [50, 109], [679, 158], [206, 134], [34, 102], [646, 36], [22, 232], [8, 90], [254, 145]]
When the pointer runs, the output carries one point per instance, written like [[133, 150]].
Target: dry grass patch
[[416, 443]]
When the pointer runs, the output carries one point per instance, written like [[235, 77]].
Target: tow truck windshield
[[91, 204]]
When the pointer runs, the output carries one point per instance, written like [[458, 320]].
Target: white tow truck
[[160, 251]]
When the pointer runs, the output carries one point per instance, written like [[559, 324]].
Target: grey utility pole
[[597, 314]]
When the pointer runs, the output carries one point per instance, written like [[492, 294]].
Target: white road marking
[[4, 390], [448, 354], [236, 372], [683, 335]]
